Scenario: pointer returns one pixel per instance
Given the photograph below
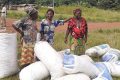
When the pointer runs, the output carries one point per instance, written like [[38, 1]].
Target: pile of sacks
[[107, 53], [109, 57], [65, 66]]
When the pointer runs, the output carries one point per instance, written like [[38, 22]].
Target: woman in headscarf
[[77, 28], [48, 26], [28, 30]]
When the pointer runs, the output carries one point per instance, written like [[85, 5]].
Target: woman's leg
[[27, 56]]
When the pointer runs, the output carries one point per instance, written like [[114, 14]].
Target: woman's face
[[78, 14], [49, 15]]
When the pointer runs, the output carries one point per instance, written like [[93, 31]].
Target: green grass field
[[108, 36], [63, 12]]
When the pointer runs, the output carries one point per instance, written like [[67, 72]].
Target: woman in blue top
[[48, 26]]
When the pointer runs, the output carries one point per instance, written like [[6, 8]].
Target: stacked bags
[[97, 50], [109, 57], [51, 63], [65, 66], [8, 54], [50, 58]]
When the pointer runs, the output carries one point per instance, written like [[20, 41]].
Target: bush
[[93, 2], [107, 4]]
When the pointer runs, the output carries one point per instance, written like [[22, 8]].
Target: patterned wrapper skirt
[[27, 55], [77, 46]]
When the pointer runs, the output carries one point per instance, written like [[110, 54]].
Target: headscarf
[[76, 10], [30, 10]]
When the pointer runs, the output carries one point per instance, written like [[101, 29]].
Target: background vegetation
[[64, 12], [104, 4]]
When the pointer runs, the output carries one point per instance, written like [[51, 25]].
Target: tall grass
[[100, 36], [108, 36], [91, 14]]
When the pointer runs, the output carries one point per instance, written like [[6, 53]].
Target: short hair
[[50, 10]]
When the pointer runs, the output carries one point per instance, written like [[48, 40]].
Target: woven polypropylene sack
[[97, 50], [51, 58], [79, 76], [8, 54], [100, 78], [35, 71], [111, 56], [114, 68], [105, 72], [75, 64]]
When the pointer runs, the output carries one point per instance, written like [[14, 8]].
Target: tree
[[107, 4]]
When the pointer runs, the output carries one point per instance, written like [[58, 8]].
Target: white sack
[[35, 71], [105, 73], [114, 68], [111, 56], [79, 76], [100, 78], [75, 64], [67, 51], [97, 50], [8, 54], [87, 58], [51, 59]]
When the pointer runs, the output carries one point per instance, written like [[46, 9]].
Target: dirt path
[[91, 25]]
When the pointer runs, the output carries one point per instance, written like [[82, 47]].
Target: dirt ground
[[91, 25]]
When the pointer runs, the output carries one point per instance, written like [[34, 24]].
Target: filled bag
[[97, 50], [79, 76], [100, 78], [8, 54], [75, 64], [51, 59], [105, 73], [114, 68], [87, 58], [111, 56], [35, 71]]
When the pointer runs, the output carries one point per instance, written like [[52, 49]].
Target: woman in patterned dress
[[28, 30], [48, 26], [77, 28]]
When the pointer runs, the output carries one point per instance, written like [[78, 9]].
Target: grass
[[63, 12], [108, 36], [96, 37]]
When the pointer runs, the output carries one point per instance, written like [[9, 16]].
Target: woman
[[28, 31], [77, 28], [48, 26]]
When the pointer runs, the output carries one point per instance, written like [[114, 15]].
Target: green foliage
[[64, 12], [104, 4], [93, 2], [15, 14], [107, 4]]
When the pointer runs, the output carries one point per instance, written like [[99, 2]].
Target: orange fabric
[[27, 55]]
